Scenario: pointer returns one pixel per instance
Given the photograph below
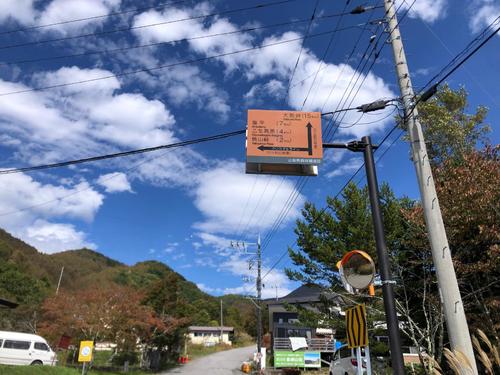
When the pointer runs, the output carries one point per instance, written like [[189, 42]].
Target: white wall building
[[208, 336]]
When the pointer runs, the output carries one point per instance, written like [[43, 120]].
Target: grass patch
[[48, 370]]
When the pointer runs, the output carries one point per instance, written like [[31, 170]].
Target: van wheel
[[36, 363]]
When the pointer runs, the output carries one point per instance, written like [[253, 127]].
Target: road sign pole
[[368, 360], [83, 368], [383, 261], [359, 361]]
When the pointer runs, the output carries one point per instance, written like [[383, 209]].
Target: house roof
[[304, 294], [209, 329]]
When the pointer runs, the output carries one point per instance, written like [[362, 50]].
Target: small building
[[284, 327], [209, 336]]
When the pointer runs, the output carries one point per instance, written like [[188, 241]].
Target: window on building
[[13, 344], [41, 346]]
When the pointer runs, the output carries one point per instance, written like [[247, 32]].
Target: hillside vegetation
[[160, 303]]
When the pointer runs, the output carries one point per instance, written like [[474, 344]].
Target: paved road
[[221, 363]]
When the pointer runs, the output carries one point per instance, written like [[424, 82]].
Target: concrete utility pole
[[259, 309], [458, 330]]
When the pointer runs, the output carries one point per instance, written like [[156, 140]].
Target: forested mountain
[[30, 278]]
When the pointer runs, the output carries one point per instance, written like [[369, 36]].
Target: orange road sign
[[284, 137], [355, 323]]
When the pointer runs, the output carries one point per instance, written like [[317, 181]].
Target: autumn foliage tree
[[116, 314]]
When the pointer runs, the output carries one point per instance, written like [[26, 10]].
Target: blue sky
[[184, 206]]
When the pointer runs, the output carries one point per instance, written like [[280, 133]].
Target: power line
[[107, 32], [302, 47], [156, 44], [122, 154], [301, 182], [376, 56], [160, 67], [136, 10], [397, 124], [327, 49]]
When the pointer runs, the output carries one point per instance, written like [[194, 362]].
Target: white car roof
[[9, 335]]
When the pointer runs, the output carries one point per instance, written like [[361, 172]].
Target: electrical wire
[[112, 14], [300, 184], [107, 32], [156, 44], [325, 53], [160, 67], [470, 54], [384, 139], [122, 154], [302, 47]]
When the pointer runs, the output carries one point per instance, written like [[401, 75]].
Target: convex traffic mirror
[[357, 269]]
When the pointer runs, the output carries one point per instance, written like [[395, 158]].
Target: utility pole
[[258, 284], [221, 324], [259, 309], [59, 282], [458, 330]]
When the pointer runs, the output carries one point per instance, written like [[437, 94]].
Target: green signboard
[[288, 359], [296, 359]]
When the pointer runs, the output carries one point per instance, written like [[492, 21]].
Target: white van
[[344, 362], [25, 349]]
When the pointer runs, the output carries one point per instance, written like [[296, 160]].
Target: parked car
[[25, 349], [344, 362]]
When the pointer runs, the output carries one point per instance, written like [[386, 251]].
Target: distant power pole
[[258, 284], [456, 322], [259, 309], [59, 282], [221, 324]]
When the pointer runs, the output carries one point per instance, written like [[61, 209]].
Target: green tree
[[450, 132]]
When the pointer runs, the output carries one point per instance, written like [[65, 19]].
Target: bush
[[379, 349], [120, 358]]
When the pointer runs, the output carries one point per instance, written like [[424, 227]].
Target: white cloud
[[54, 237], [207, 289], [76, 121], [192, 28], [63, 10], [483, 13], [58, 11], [222, 194], [239, 267], [346, 167], [92, 119], [186, 85], [259, 92], [36, 225], [116, 182], [19, 10], [427, 10], [171, 247], [222, 245]]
